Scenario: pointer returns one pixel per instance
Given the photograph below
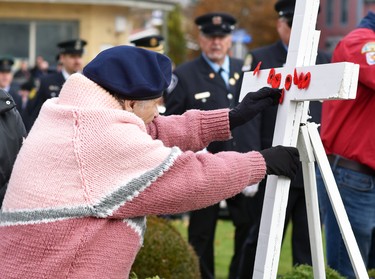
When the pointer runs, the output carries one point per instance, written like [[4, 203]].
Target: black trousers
[[296, 213], [201, 234]]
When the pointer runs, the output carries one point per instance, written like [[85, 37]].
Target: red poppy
[[270, 76], [295, 79], [288, 81], [257, 68], [301, 79], [306, 80], [276, 81]]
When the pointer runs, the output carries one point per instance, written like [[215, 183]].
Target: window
[[14, 38], [329, 18], [344, 12], [28, 39]]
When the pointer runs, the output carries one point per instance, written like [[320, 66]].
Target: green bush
[[371, 273], [306, 272], [165, 253]]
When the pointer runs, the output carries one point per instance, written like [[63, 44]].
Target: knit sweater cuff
[[215, 125]]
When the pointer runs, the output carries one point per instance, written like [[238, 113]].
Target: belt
[[350, 164]]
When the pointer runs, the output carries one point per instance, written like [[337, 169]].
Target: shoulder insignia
[[369, 50], [172, 85], [32, 93]]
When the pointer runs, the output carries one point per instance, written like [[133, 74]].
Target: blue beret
[[132, 72]]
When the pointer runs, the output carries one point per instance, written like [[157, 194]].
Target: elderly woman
[[99, 159]]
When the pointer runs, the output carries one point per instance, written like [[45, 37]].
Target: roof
[[152, 4]]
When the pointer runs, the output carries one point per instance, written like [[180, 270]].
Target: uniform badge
[[153, 42], [202, 95], [78, 45], [369, 50], [217, 20], [54, 88]]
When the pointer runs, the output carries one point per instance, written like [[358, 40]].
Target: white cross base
[[328, 82]]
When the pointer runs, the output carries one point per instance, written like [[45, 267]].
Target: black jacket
[[50, 87], [12, 132], [196, 86]]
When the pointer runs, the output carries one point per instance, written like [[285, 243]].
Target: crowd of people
[[130, 135]]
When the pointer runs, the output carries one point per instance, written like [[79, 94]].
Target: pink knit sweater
[[89, 173]]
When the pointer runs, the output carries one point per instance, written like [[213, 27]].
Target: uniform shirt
[[348, 126]]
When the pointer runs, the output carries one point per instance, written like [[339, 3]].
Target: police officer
[[70, 55], [212, 81], [273, 56], [6, 80], [151, 42]]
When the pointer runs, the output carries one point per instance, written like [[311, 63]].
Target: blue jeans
[[357, 191]]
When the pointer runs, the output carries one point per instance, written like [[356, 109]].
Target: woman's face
[[147, 110]]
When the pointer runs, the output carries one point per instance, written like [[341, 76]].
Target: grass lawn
[[224, 247]]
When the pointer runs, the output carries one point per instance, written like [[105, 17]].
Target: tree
[[176, 40]]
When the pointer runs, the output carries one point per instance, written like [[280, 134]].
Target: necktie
[[222, 74]]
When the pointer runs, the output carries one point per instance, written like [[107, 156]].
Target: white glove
[[250, 190]]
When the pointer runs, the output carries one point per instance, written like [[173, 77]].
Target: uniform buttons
[[230, 96], [8, 102], [204, 100]]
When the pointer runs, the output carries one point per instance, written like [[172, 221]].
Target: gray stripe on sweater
[[132, 189], [103, 209]]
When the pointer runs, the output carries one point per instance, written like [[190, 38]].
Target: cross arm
[[328, 82]]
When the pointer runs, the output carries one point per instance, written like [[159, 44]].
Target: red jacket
[[348, 126]]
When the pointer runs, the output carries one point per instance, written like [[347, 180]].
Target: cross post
[[303, 81]]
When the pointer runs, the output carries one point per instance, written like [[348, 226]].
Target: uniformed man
[[212, 81], [6, 79], [151, 42], [70, 56], [273, 56]]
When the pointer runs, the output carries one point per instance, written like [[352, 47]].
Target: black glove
[[252, 104], [281, 160]]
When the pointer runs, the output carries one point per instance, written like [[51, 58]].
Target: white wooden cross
[[328, 81]]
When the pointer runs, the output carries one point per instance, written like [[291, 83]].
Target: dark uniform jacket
[[50, 86], [12, 132], [197, 86], [13, 91], [274, 56]]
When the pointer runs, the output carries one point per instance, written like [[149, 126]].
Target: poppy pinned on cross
[[302, 81]]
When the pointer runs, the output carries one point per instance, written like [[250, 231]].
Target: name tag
[[202, 95]]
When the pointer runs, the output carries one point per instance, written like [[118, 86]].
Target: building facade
[[33, 28], [338, 18]]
